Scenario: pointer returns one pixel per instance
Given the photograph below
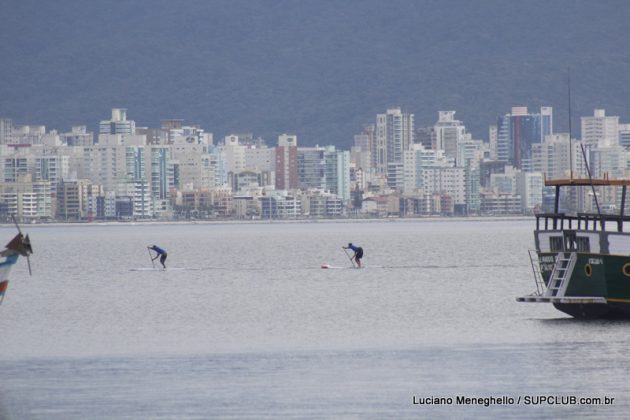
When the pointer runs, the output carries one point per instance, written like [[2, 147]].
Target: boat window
[[570, 241], [555, 243], [583, 244]]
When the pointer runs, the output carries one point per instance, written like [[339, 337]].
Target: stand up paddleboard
[[333, 267]]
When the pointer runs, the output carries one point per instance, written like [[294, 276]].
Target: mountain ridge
[[320, 69]]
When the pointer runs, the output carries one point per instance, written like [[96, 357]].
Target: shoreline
[[278, 221]]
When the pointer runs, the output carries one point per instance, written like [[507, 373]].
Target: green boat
[[581, 263]]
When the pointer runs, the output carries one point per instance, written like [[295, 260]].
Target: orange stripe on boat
[[3, 286]]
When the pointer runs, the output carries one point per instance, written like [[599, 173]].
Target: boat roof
[[585, 181]]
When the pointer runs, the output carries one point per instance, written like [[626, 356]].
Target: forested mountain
[[320, 69]]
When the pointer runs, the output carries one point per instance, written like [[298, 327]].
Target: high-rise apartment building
[[26, 199], [78, 136], [518, 131], [234, 153], [450, 181], [365, 148], [426, 137], [15, 166], [557, 157], [608, 161], [311, 163], [118, 124], [448, 133], [469, 156], [600, 130], [394, 134], [286, 162], [492, 142], [624, 135], [71, 199], [51, 168], [337, 172], [27, 134], [196, 165], [546, 121], [419, 159], [529, 186], [259, 158], [6, 130], [162, 172]]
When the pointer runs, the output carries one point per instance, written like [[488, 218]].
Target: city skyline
[[330, 108], [448, 116], [393, 169]]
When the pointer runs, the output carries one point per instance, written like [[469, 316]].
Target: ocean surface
[[245, 324]]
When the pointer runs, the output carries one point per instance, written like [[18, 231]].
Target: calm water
[[245, 324]]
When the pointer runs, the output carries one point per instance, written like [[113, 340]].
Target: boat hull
[[595, 275], [6, 264], [595, 310]]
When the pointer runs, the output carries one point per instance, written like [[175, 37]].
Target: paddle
[[349, 257], [151, 256]]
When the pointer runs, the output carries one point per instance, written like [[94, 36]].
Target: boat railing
[[583, 221], [538, 278], [557, 220], [592, 220]]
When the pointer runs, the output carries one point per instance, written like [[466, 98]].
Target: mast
[[588, 169], [570, 134], [590, 180]]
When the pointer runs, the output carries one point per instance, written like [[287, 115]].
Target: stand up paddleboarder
[[358, 253], [159, 253]]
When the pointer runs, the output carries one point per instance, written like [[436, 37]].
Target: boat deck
[[562, 299]]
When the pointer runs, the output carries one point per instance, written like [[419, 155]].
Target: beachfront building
[[26, 199]]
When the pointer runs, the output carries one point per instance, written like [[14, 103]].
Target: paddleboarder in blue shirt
[[358, 253], [159, 253]]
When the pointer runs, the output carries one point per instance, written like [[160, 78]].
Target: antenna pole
[[16, 223], [570, 134], [590, 180]]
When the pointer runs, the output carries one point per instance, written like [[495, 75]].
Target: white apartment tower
[[118, 124], [600, 130], [234, 153], [546, 121], [492, 139], [529, 185], [608, 161], [394, 134], [6, 130], [197, 168], [449, 132], [79, 136], [556, 157]]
